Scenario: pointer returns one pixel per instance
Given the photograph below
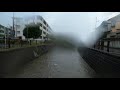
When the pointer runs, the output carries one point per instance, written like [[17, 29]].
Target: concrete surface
[[57, 63]]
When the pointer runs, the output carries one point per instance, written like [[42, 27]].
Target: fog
[[78, 25]]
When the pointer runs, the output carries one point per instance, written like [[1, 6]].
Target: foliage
[[32, 32]]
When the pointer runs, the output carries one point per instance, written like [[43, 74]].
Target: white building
[[19, 25], [38, 20], [6, 32]]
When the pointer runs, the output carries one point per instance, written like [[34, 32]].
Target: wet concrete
[[57, 63]]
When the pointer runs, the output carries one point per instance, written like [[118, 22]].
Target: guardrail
[[104, 63]]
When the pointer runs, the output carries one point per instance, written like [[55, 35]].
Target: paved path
[[57, 63]]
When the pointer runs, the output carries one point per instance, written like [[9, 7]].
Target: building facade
[[111, 41], [6, 32], [115, 27], [18, 27], [20, 24]]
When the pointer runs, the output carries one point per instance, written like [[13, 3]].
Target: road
[[57, 63]]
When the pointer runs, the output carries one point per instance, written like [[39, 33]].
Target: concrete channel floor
[[57, 63]]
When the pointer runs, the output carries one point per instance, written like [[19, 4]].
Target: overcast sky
[[80, 24]]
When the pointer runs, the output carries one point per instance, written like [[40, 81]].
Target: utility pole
[[14, 24]]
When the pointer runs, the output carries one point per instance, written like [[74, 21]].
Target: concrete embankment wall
[[105, 64], [12, 60]]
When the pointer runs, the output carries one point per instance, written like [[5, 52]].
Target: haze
[[77, 24]]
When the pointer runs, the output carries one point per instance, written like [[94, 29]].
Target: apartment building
[[111, 27], [20, 24], [111, 31], [5, 31], [105, 26], [39, 20], [115, 27]]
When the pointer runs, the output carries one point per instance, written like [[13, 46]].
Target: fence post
[[102, 45], [8, 42], [30, 42], [98, 45], [36, 42], [20, 38], [21, 42], [108, 43], [94, 46]]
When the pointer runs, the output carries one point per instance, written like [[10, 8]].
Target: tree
[[32, 32]]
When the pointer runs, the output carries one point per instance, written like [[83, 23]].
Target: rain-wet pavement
[[57, 63]]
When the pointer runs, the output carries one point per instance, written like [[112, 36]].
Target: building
[[115, 27], [111, 34], [18, 27], [5, 31], [20, 24], [39, 20], [111, 27], [105, 26], [2, 31]]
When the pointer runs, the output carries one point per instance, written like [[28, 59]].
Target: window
[[44, 37], [18, 32], [112, 36], [118, 35], [44, 22], [1, 31], [2, 28], [44, 27], [44, 33]]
